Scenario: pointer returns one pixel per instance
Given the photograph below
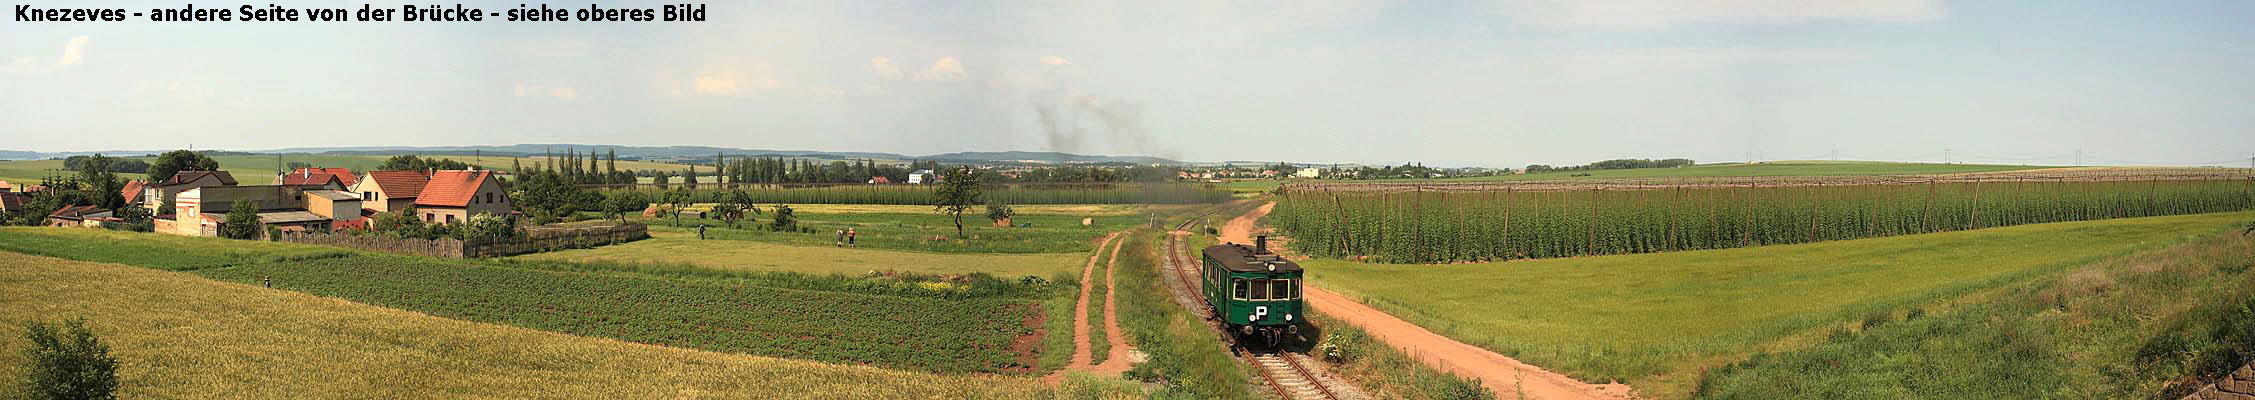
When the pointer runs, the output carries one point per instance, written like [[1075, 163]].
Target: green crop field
[[181, 336], [1444, 226], [1774, 168], [1654, 320], [924, 232], [823, 259], [2154, 325], [926, 334]]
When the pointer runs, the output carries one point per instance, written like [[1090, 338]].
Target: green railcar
[[1254, 292]]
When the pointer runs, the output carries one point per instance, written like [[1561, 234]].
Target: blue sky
[[1496, 82]]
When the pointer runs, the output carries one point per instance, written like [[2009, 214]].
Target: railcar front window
[[1260, 290], [1239, 288], [1283, 289]]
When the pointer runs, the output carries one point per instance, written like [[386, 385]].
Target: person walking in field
[[849, 236], [700, 231], [841, 238]]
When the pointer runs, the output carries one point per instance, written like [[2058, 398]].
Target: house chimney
[[1260, 244]]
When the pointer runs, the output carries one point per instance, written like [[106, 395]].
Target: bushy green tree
[[96, 175], [617, 203], [398, 223], [242, 221], [784, 219], [486, 226], [958, 192], [172, 162], [1000, 212], [68, 363]]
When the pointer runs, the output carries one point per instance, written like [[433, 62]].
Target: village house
[[445, 197], [12, 202], [132, 192], [922, 176], [202, 211], [339, 177], [154, 195], [388, 191], [80, 216], [879, 180], [454, 196]]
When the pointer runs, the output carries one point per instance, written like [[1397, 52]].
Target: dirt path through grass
[[1119, 356], [1082, 357], [1507, 377]]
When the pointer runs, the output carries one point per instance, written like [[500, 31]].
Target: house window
[[368, 195], [427, 217], [450, 218], [489, 197]]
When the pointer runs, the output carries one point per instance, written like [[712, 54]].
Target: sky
[[1456, 83]]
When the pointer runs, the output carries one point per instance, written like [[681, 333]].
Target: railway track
[[1286, 373]]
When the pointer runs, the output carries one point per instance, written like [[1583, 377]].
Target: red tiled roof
[[191, 176], [75, 211], [312, 176], [11, 201], [321, 178], [399, 184], [132, 191], [452, 188]]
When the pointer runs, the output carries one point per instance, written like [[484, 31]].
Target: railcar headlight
[[1287, 317]]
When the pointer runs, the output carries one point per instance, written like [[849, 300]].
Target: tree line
[[1625, 163]]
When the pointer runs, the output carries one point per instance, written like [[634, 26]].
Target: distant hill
[[660, 153]]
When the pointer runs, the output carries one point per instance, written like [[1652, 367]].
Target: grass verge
[[2158, 324], [1187, 359], [1653, 320]]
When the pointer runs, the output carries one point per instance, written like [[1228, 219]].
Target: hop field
[[924, 334], [1419, 226]]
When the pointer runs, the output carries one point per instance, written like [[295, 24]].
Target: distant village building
[[879, 180], [202, 211], [388, 191], [922, 176], [341, 178], [453, 196], [154, 195], [1309, 173], [12, 202], [81, 216]]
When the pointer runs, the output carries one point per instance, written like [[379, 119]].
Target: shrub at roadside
[[68, 363]]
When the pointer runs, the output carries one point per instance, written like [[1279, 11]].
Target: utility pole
[[2078, 157], [1945, 156]]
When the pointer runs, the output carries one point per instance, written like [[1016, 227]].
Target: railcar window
[[1239, 285], [1260, 290], [1283, 289]]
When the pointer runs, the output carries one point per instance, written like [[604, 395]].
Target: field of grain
[[182, 336], [1653, 319], [924, 231]]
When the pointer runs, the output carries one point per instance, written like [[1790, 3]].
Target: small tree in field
[[784, 219], [1000, 214], [958, 192], [617, 203], [678, 199], [242, 221], [68, 363]]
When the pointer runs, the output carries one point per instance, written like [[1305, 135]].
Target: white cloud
[[26, 64], [946, 68], [1628, 63], [74, 51], [1054, 60], [1655, 14], [560, 92], [885, 68], [726, 81], [565, 93]]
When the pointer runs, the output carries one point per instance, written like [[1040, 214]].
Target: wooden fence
[[532, 240]]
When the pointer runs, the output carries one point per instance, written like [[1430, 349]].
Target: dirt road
[[1121, 353], [1505, 376]]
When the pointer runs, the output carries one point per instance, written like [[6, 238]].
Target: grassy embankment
[[1187, 360], [181, 336], [2154, 325], [1654, 320]]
